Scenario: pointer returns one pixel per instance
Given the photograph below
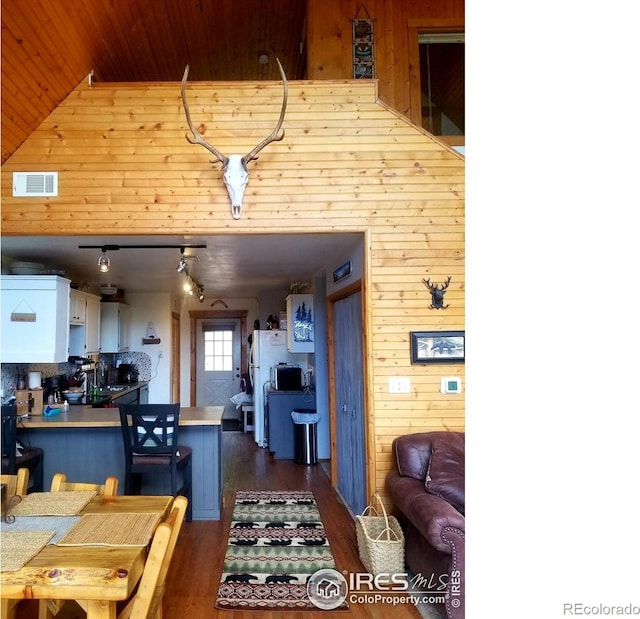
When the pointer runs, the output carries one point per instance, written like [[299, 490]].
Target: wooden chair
[[146, 601], [30, 457], [59, 483], [175, 520], [16, 484], [151, 447]]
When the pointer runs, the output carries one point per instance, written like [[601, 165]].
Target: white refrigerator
[[268, 348]]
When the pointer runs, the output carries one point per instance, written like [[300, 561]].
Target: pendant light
[[104, 263]]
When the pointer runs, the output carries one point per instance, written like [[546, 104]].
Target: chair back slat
[[16, 484], [150, 429], [59, 483]]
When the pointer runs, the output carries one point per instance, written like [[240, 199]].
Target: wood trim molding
[[194, 316], [356, 286]]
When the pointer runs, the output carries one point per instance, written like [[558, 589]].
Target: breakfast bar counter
[[86, 444]]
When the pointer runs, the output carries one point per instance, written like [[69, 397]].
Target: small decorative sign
[[342, 271], [363, 59], [20, 313], [151, 337]]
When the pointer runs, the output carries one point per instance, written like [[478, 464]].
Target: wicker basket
[[380, 540]]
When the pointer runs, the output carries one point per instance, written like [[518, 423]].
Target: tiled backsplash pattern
[[9, 372]]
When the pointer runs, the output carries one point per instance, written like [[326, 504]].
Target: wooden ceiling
[[50, 46]]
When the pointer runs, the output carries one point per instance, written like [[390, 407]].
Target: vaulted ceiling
[[50, 46]]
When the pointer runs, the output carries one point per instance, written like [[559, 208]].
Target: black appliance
[[127, 374], [286, 378], [54, 386]]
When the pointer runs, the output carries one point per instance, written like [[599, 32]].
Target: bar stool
[[150, 437], [29, 457]]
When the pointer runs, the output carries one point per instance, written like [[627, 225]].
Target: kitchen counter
[[86, 445], [107, 396], [83, 416]]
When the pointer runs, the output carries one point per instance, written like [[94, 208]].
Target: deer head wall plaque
[[236, 174], [437, 293]]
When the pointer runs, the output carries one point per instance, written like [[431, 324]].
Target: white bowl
[[73, 396], [27, 268]]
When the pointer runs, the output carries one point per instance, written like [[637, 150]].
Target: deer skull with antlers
[[236, 175]]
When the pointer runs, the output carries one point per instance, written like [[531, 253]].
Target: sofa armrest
[[438, 521]]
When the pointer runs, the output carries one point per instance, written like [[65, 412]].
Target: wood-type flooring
[[193, 578]]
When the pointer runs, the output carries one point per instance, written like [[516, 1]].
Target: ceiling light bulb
[[104, 263], [188, 284], [201, 294]]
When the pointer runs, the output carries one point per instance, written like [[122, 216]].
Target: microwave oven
[[286, 378]]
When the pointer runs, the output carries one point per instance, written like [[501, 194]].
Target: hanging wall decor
[[363, 59]]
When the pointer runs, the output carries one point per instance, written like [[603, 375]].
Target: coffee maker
[[127, 374], [53, 386]]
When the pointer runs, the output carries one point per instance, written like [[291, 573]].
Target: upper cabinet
[[84, 323], [77, 307], [300, 321], [115, 327], [35, 319]]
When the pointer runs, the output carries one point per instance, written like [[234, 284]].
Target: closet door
[[349, 398]]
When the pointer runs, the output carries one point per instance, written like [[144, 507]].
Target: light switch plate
[[400, 384], [450, 384]]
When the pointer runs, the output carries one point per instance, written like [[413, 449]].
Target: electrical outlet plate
[[400, 384]]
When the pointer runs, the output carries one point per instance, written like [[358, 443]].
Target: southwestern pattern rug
[[276, 542]]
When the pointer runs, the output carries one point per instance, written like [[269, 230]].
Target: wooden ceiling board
[[50, 46]]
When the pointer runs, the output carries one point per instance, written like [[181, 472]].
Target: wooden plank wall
[[396, 27], [347, 163]]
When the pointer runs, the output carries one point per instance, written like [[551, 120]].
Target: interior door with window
[[218, 364]]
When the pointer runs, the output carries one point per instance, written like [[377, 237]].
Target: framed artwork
[[437, 347], [362, 41], [342, 271]]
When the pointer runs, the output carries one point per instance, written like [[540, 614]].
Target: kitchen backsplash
[[9, 372]]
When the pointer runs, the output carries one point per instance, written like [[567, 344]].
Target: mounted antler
[[236, 175], [437, 294]]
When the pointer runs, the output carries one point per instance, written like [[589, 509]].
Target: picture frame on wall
[[437, 347]]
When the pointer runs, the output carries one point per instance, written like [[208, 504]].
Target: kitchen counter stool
[[150, 436], [29, 457]]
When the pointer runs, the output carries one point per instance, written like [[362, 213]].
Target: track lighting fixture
[[104, 263], [182, 265], [188, 284], [200, 293]]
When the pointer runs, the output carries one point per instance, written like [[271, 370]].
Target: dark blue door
[[349, 385]]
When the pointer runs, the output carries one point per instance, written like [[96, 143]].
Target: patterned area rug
[[276, 541]]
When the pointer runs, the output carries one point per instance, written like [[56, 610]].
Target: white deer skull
[[236, 175]]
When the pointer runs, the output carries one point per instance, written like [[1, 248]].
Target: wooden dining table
[[100, 576]]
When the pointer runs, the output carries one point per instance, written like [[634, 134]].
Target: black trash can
[[305, 426]]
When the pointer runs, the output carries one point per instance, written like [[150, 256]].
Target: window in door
[[442, 85], [218, 351]]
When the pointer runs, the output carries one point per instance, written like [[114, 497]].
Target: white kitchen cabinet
[[84, 324], [35, 319], [300, 322], [77, 307], [115, 327]]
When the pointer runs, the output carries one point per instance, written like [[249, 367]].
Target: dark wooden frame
[[421, 339]]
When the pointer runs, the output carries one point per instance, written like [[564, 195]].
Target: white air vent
[[35, 184]]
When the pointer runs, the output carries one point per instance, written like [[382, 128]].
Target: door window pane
[[218, 351]]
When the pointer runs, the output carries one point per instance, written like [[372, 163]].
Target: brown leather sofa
[[426, 486]]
